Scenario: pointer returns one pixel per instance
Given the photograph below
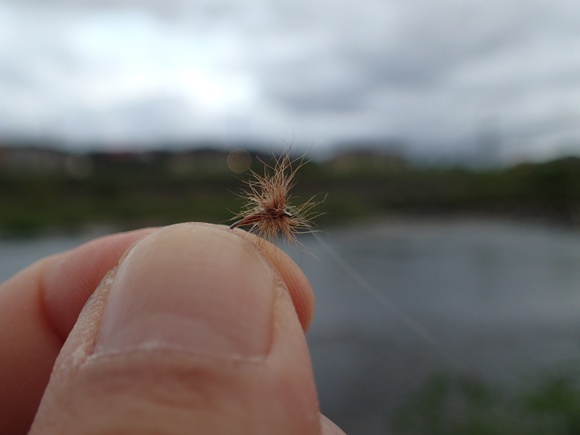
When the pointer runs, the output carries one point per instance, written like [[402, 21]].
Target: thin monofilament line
[[382, 299]]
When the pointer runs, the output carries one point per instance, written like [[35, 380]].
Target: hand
[[199, 330]]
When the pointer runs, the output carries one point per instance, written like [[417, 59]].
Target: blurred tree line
[[61, 190]]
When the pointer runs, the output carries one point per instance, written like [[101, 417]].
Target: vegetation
[[161, 190], [461, 405]]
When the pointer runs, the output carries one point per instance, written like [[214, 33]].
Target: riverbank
[[144, 193]]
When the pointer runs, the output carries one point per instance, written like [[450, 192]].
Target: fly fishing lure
[[268, 209]]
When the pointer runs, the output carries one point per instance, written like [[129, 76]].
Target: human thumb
[[194, 332]]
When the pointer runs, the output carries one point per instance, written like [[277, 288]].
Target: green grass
[[462, 405]]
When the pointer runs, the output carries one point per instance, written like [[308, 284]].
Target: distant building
[[198, 161], [369, 159], [28, 159]]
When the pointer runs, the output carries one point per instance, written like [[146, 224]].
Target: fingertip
[[298, 285]]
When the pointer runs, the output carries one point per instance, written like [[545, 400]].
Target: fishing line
[[421, 331], [269, 213]]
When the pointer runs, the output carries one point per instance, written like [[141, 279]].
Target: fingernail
[[193, 287]]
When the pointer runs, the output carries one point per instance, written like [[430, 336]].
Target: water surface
[[502, 299]]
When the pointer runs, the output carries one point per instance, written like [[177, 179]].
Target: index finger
[[38, 308]]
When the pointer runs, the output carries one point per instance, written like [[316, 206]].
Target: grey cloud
[[174, 10], [429, 42], [422, 70], [145, 121]]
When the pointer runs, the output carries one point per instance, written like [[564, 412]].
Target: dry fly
[[268, 209]]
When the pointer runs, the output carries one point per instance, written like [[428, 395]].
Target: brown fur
[[268, 207]]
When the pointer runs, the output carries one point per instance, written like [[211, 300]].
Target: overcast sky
[[435, 75]]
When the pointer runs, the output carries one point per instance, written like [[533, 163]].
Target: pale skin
[[199, 330]]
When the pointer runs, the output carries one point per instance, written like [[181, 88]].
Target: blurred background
[[446, 135]]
